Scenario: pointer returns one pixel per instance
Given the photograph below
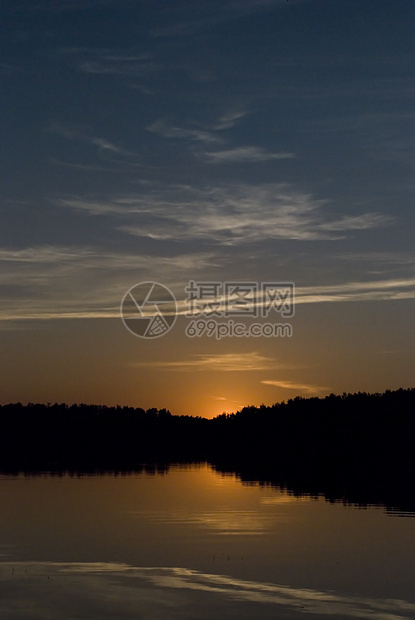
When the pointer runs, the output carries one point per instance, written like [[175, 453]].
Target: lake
[[186, 541]]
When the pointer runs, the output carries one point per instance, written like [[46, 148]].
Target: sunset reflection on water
[[187, 540]]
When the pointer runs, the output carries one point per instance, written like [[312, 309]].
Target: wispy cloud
[[84, 136], [45, 254], [110, 165], [228, 215], [46, 282], [118, 62], [376, 290], [231, 362], [230, 119], [208, 134], [131, 66], [356, 222], [389, 258], [78, 281], [93, 257], [243, 154], [298, 387], [166, 130], [288, 297], [205, 132]]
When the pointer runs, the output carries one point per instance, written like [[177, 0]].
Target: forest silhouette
[[356, 448]]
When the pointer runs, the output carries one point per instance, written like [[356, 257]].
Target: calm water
[[191, 543]]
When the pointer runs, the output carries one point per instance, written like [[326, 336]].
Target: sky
[[251, 160]]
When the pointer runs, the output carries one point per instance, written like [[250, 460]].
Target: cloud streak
[[165, 130], [377, 290], [49, 281], [228, 362], [243, 154], [82, 136], [300, 387], [232, 215], [201, 132], [112, 62]]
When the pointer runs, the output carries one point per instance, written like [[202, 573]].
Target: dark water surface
[[188, 542]]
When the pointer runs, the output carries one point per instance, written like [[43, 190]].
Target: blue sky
[[247, 140]]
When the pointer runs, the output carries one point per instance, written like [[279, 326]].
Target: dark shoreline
[[354, 448]]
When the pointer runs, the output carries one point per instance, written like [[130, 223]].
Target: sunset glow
[[246, 151]]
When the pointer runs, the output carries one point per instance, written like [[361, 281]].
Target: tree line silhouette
[[359, 448]]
